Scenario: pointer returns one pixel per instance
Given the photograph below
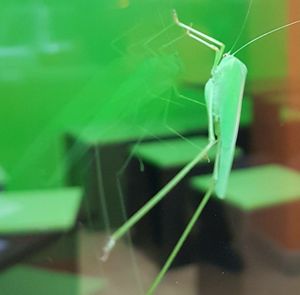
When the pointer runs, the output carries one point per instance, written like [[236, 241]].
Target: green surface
[[268, 58], [175, 152], [37, 160], [59, 67], [258, 187], [25, 280], [3, 177], [190, 118], [105, 134], [39, 211], [173, 114]]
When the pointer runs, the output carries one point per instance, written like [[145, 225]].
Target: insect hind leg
[[181, 240]]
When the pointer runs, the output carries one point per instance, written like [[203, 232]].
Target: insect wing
[[229, 80]]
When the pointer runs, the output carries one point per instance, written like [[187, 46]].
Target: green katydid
[[223, 94]]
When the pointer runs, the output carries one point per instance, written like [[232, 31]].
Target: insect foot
[[107, 249]]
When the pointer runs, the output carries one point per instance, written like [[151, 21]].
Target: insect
[[223, 95]]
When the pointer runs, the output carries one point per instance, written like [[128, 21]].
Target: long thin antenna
[[265, 35], [243, 26]]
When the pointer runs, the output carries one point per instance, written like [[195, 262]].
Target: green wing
[[226, 89]]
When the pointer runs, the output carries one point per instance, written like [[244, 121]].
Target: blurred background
[[102, 102]]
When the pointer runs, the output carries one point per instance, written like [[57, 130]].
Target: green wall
[[268, 56], [81, 62]]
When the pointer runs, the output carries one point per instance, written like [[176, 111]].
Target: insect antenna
[[243, 26], [266, 34]]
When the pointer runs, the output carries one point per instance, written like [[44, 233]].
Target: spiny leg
[[219, 52], [191, 29], [181, 241], [208, 41], [153, 201], [209, 97], [218, 47]]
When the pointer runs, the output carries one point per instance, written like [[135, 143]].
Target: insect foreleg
[[194, 31], [219, 51], [208, 41]]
